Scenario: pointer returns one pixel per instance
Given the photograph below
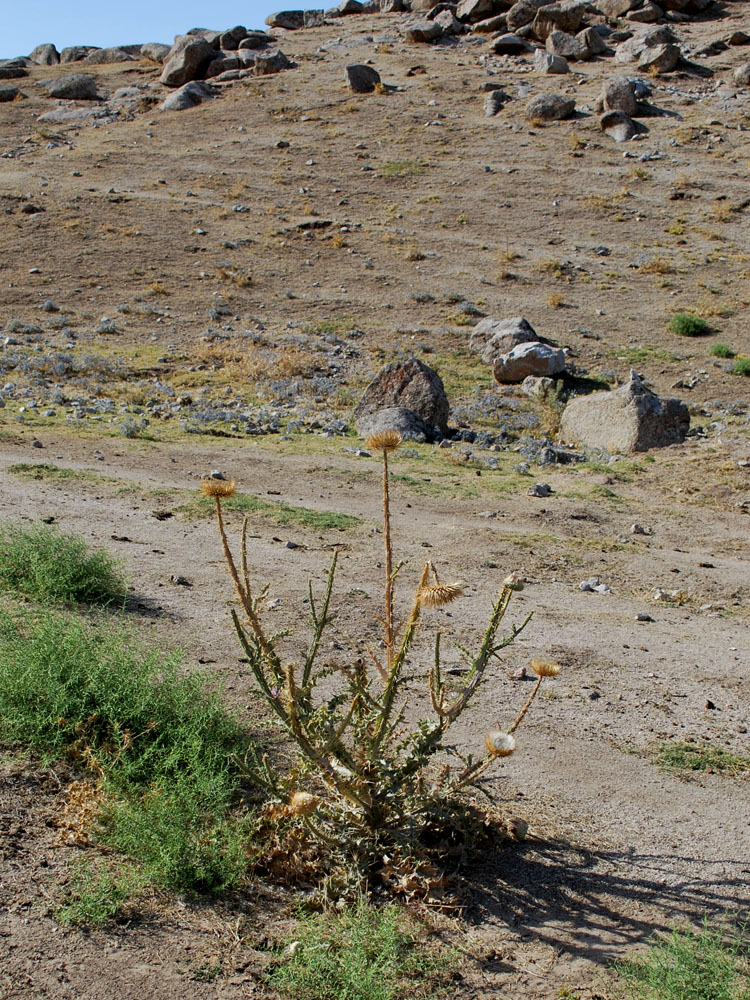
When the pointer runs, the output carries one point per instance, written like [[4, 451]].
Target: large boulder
[[632, 48], [522, 13], [187, 60], [256, 40], [12, 70], [75, 53], [393, 418], [291, 20], [510, 45], [422, 30], [526, 359], [503, 332], [545, 62], [45, 55], [618, 125], [741, 74], [659, 58], [550, 107], [560, 43], [363, 79], [73, 87], [270, 61], [628, 419], [618, 94], [188, 96], [102, 57], [410, 385], [8, 93], [231, 38], [473, 10], [565, 16], [155, 51]]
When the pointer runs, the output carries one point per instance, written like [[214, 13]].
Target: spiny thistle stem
[[527, 706], [388, 568]]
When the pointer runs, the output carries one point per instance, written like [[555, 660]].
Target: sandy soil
[[618, 848]]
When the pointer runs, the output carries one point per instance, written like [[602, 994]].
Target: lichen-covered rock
[[411, 385], [550, 107], [526, 359], [187, 60], [400, 419], [503, 334], [45, 55], [73, 87], [155, 51], [291, 20], [628, 419], [188, 96], [618, 125], [102, 57], [618, 94]]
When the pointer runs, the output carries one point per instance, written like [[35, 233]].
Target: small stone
[[291, 545], [539, 490], [587, 586], [36, 444], [180, 581], [643, 618], [710, 705], [518, 828], [550, 107], [217, 474], [521, 674]]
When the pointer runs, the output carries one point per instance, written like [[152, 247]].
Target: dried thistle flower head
[[438, 594], [303, 804], [513, 581], [545, 668], [217, 487], [385, 441], [500, 744]]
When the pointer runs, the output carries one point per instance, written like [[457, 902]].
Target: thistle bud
[[217, 487], [545, 668], [513, 582], [303, 804], [499, 744]]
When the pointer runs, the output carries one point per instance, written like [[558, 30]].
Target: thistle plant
[[369, 783]]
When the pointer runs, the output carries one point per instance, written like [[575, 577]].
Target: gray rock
[[420, 31], [565, 16], [73, 87], [631, 49], [618, 125], [560, 43], [738, 38], [187, 60], [647, 13], [362, 79], [529, 359], [510, 45], [270, 61], [473, 10], [75, 53], [741, 74], [291, 20], [102, 57], [155, 51], [502, 344], [594, 41], [45, 55], [349, 7], [410, 384], [659, 58], [70, 115], [628, 419], [231, 38], [497, 23], [549, 64], [314, 18], [494, 102], [515, 329], [393, 418], [391, 6], [256, 40], [8, 93], [522, 13], [618, 94], [449, 24], [539, 490], [188, 96], [224, 61], [537, 387], [9, 71], [615, 9], [550, 108]]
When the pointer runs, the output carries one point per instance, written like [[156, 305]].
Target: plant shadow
[[596, 903]]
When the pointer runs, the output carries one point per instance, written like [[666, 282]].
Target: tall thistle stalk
[[369, 781]]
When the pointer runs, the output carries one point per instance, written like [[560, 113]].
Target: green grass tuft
[[691, 965], [363, 953], [46, 565], [94, 897], [280, 513], [721, 351], [688, 325], [678, 756], [741, 367], [165, 748]]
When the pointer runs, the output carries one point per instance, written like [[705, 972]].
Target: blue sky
[[26, 23]]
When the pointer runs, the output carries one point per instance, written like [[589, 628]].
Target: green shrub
[[44, 564], [164, 748], [721, 351], [364, 953], [94, 897], [741, 366], [691, 965], [688, 325]]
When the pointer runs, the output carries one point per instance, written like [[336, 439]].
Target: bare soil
[[617, 848]]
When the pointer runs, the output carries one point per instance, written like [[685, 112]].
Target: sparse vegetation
[[741, 367], [363, 953], [42, 563], [686, 324], [721, 351], [682, 756], [691, 964], [279, 513]]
